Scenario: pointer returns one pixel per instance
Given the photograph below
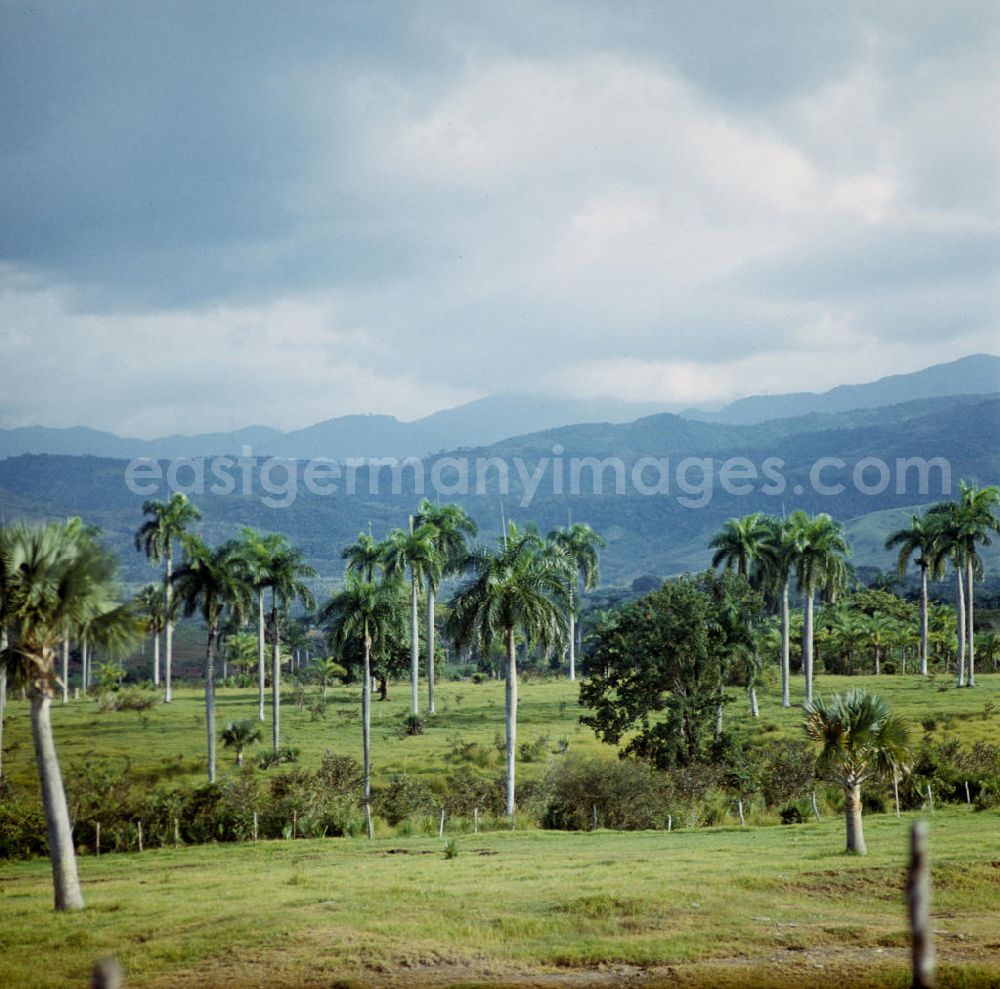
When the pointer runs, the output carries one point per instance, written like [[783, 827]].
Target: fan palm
[[212, 581], [818, 550], [916, 542], [168, 522], [240, 735], [55, 577], [416, 552], [579, 543], [859, 740], [516, 587], [369, 612], [448, 527]]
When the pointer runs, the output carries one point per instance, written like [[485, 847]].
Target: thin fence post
[[97, 840], [670, 823], [255, 826], [177, 832], [295, 822], [895, 791], [593, 817], [475, 820], [918, 897], [138, 829], [815, 806]]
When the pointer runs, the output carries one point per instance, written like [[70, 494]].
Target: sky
[[214, 214]]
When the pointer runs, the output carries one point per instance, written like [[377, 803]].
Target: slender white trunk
[[168, 633], [366, 731], [3, 695], [65, 669], [970, 635], [572, 643], [260, 654], [65, 880], [430, 651], [414, 645], [807, 644], [510, 717], [719, 711], [754, 709], [85, 661], [855, 828], [156, 659], [960, 608], [786, 648], [210, 702], [276, 684], [923, 621]]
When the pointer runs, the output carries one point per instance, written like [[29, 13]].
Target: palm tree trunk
[[572, 642], [168, 634], [855, 828], [970, 636], [85, 663], [754, 709], [719, 707], [366, 730], [430, 651], [156, 659], [260, 654], [960, 608], [923, 621], [65, 669], [786, 648], [510, 717], [3, 695], [276, 685], [65, 880], [877, 658], [414, 645], [210, 701], [807, 644]]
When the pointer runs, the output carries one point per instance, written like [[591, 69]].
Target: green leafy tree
[[55, 577], [657, 671], [513, 588], [240, 735], [448, 527], [370, 613], [169, 521], [579, 544], [859, 741], [211, 581]]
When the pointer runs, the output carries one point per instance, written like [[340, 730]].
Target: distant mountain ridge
[[975, 374]]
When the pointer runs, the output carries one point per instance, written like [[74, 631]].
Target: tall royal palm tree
[[916, 542], [284, 574], [55, 577], [448, 527], [369, 612], [819, 552], [579, 544], [416, 553], [168, 522], [211, 581], [152, 605], [740, 542], [967, 523], [515, 588], [859, 740], [773, 560], [365, 557]]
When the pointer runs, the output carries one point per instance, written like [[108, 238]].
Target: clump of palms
[[859, 740], [325, 671], [240, 735]]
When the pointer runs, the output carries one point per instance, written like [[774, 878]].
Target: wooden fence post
[[255, 826], [593, 817], [97, 842], [918, 897], [475, 820], [139, 833]]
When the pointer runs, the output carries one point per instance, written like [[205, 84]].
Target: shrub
[[403, 797]]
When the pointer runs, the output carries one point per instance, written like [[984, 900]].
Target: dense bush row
[[772, 782]]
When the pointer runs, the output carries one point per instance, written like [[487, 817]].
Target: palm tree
[[514, 588], [370, 612], [416, 552], [55, 577], [818, 551], [989, 646], [284, 573], [859, 740], [325, 671], [256, 551], [151, 602], [968, 522], [740, 541], [448, 527], [239, 735], [210, 581], [878, 631], [168, 522], [917, 543], [365, 557], [579, 544], [773, 559]]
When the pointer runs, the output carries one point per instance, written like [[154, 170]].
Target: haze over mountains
[[489, 420], [660, 532]]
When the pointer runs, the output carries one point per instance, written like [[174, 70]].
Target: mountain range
[[495, 418]]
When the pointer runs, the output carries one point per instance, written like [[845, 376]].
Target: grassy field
[[168, 742], [776, 906]]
